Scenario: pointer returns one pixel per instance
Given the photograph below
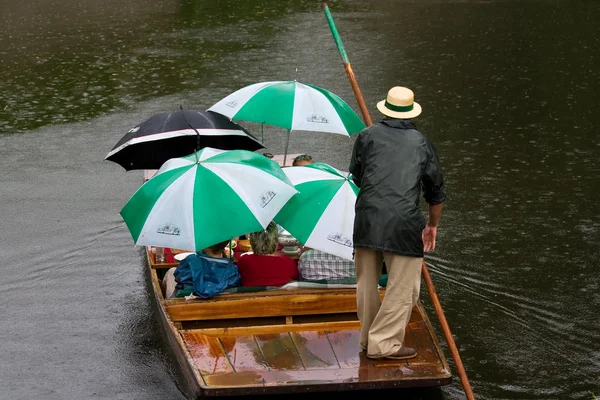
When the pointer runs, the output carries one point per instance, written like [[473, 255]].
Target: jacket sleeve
[[356, 162], [432, 182]]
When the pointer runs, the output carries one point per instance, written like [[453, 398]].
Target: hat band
[[399, 108]]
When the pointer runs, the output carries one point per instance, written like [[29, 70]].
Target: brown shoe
[[402, 354]]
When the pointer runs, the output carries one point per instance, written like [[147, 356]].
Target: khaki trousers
[[383, 323]]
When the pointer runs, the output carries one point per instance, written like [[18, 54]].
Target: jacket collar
[[398, 123]]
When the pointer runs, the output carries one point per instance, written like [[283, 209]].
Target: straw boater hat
[[400, 103]]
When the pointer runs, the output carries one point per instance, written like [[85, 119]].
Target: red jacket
[[258, 270]]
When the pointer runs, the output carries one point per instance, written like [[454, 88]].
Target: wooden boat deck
[[314, 355], [286, 341]]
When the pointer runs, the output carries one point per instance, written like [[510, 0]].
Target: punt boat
[[285, 341]]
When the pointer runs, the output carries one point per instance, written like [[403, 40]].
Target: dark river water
[[510, 97]]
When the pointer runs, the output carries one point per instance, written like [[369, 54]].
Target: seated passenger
[[302, 160], [264, 267], [315, 264], [204, 274]]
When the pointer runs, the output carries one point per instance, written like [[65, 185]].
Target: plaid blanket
[[315, 264]]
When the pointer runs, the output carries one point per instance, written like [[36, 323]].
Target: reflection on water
[[508, 90]]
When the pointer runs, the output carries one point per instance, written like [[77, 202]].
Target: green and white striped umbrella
[[207, 197], [321, 215], [291, 105]]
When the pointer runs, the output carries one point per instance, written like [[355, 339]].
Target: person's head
[[302, 160], [265, 242], [400, 103], [216, 249]]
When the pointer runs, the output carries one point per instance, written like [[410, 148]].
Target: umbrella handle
[[287, 142], [195, 130]]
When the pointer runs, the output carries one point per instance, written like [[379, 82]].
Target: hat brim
[[397, 114]]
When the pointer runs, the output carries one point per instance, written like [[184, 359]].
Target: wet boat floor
[[308, 357]]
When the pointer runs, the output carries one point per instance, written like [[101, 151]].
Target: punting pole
[[464, 380], [424, 271], [348, 67]]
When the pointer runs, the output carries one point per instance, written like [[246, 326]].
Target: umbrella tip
[[181, 107]]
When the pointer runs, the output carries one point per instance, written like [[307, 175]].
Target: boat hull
[[298, 341]]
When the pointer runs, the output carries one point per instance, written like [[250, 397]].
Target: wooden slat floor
[[310, 357]]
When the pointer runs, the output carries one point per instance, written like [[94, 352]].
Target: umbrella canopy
[[291, 105], [205, 198], [321, 215], [177, 134]]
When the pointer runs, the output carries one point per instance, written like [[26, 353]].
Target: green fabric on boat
[[249, 289], [383, 280], [184, 292], [343, 281], [325, 283]]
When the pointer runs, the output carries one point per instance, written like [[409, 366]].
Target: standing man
[[392, 162]]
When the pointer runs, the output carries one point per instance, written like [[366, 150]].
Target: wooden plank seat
[[271, 303], [261, 293]]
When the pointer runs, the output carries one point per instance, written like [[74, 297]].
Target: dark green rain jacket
[[393, 163]]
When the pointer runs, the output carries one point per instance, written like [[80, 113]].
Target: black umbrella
[[177, 134]]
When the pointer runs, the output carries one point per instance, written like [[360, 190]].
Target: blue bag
[[205, 276]]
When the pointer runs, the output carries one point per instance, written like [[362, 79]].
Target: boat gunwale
[[194, 379]]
